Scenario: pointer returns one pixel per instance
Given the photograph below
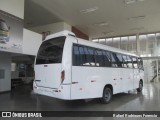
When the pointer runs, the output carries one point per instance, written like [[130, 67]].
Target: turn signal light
[[62, 75]]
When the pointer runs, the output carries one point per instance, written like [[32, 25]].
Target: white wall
[[5, 63], [14, 7], [53, 28], [31, 42]]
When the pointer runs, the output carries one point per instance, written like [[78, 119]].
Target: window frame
[[108, 54]]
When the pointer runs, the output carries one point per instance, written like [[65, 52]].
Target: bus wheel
[[140, 87], [107, 96]]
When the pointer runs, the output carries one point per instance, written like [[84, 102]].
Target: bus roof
[[89, 43], [58, 34]]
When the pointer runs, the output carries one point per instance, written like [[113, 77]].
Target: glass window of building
[[102, 41], [116, 42], [109, 41], [124, 43], [158, 43], [132, 44], [143, 43], [151, 45]]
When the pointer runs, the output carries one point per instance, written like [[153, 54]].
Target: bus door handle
[[38, 80], [121, 78], [74, 82], [93, 80], [114, 79]]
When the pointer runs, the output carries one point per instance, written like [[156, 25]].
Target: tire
[[140, 87], [107, 96]]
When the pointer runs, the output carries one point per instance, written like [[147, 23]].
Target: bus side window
[[125, 61], [107, 58], [82, 57], [76, 60], [91, 56], [99, 58], [114, 61], [87, 60], [135, 64], [119, 59], [130, 65]]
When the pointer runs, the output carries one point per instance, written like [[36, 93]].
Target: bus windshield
[[51, 51]]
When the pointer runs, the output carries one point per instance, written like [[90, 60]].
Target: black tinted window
[[119, 59], [76, 56], [125, 61], [51, 51], [91, 58], [88, 56], [114, 61], [129, 62], [99, 58], [107, 58], [83, 56]]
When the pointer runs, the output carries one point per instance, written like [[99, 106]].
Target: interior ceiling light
[[108, 33], [129, 1], [140, 0], [138, 28], [137, 18], [89, 10], [101, 24], [132, 1]]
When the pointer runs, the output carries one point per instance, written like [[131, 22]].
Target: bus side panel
[[136, 77], [90, 81], [127, 77]]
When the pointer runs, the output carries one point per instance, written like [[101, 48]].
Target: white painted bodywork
[[82, 82]]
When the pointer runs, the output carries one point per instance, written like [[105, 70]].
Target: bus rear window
[[51, 51]]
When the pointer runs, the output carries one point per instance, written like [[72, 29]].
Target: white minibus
[[70, 68]]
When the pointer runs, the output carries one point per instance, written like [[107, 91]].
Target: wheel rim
[[107, 95]]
